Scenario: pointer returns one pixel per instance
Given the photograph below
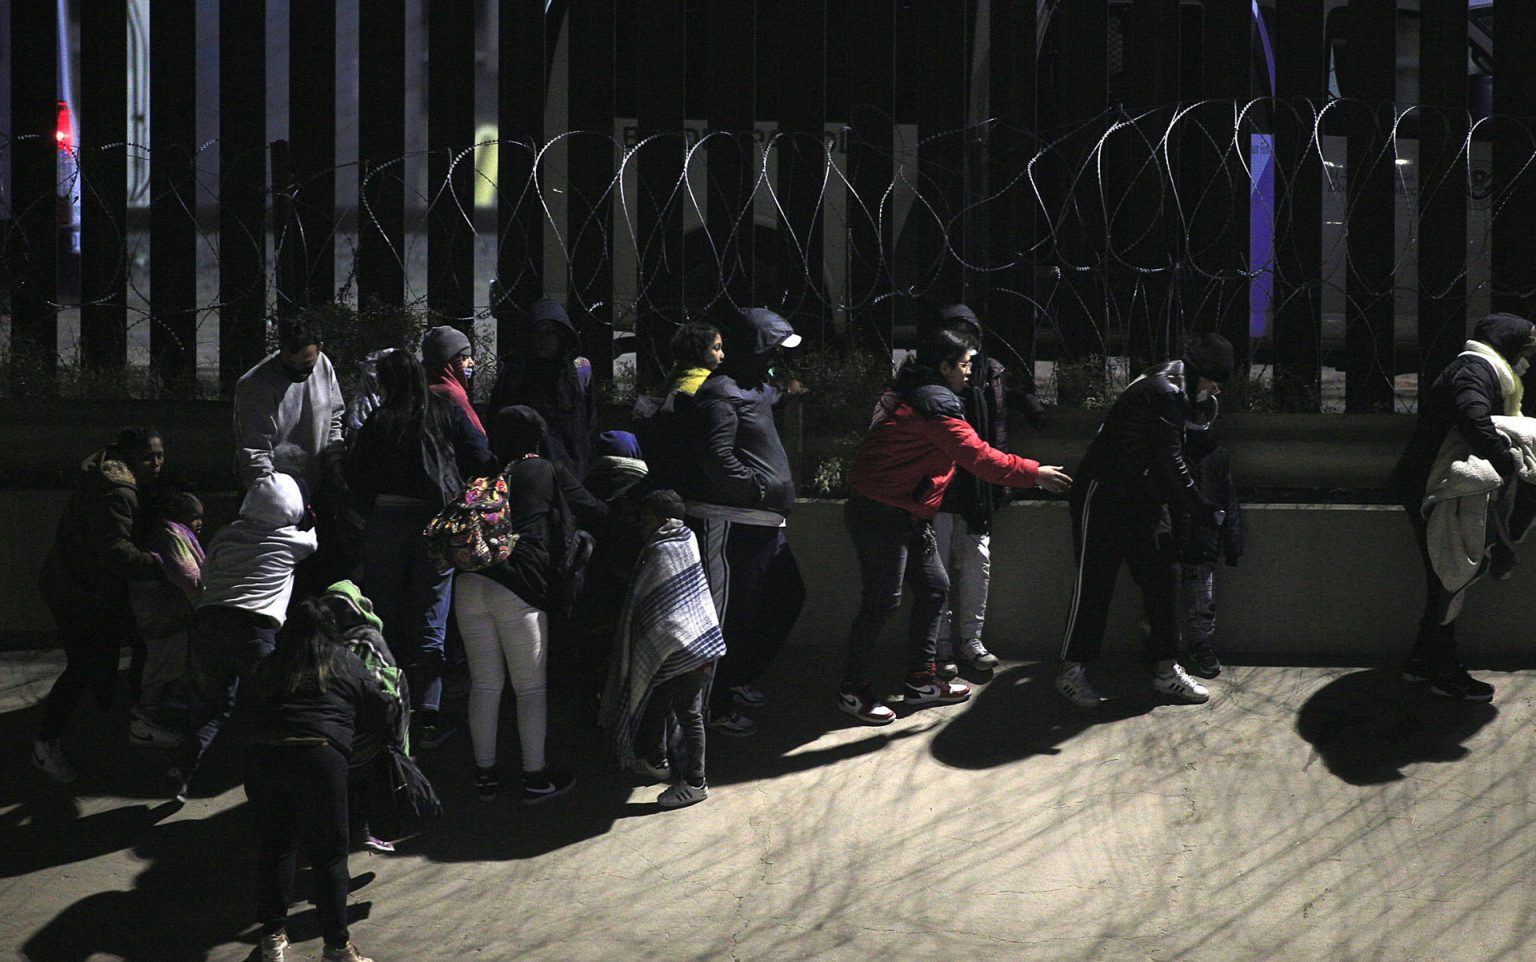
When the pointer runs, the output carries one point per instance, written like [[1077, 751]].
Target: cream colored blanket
[[1465, 507]]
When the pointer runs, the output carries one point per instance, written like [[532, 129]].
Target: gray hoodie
[[250, 561]]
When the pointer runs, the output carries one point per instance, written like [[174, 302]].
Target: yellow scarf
[[1510, 384], [688, 380]]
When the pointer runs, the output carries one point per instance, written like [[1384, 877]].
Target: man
[[1133, 471], [736, 479], [291, 397], [1482, 381]]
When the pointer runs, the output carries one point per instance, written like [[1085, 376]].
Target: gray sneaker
[[975, 654]]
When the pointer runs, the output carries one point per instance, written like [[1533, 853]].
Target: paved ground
[[1305, 814]]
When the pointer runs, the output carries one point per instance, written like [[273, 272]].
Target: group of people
[[660, 555]]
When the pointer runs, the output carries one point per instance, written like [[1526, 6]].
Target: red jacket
[[907, 459]]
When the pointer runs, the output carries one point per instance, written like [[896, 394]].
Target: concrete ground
[[1306, 813]]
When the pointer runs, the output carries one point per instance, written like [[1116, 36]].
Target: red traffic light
[[64, 133]]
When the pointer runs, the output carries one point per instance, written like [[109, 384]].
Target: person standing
[[85, 579], [446, 357], [312, 698], [1133, 471], [903, 468], [549, 375], [291, 397], [735, 477], [410, 458], [1482, 381]]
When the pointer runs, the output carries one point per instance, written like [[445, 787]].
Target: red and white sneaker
[[857, 701], [927, 688]]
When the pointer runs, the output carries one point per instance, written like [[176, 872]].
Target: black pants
[[683, 699], [226, 645], [893, 547], [1106, 531], [758, 593], [92, 633], [299, 799]]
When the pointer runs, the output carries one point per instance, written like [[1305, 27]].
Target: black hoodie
[[1465, 396], [732, 453], [558, 388]]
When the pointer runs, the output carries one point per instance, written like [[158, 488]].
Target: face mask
[[1521, 366], [298, 375]]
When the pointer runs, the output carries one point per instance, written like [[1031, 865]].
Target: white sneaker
[[975, 654], [144, 733], [682, 794], [1177, 685], [274, 947], [48, 758], [1072, 682]]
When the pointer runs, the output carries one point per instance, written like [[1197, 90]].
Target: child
[[1201, 543], [163, 612], [668, 642]]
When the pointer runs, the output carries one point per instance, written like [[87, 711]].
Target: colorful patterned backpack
[[474, 531]]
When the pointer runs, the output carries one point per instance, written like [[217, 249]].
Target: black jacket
[[1202, 541], [386, 458], [352, 703], [1465, 397], [531, 484], [732, 454], [1138, 453], [559, 388]]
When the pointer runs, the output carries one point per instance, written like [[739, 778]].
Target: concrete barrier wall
[[1319, 584]]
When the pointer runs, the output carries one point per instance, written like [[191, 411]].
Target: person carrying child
[[664, 656], [1201, 542], [163, 611]]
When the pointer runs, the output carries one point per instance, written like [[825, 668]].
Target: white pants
[[968, 560], [503, 634]]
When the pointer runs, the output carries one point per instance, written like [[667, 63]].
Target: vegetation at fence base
[[31, 371], [1086, 382], [352, 333], [843, 386]]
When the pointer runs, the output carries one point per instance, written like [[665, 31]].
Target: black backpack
[[570, 548]]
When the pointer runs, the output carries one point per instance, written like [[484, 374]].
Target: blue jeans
[[410, 594], [893, 547]]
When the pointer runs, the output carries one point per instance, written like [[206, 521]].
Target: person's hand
[[1052, 478], [795, 389]]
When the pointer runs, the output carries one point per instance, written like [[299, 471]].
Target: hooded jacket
[[908, 458], [1465, 396], [559, 388], [730, 452], [1138, 453], [251, 560], [94, 555]]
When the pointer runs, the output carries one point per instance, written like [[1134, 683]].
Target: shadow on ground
[[1019, 713], [1369, 725]]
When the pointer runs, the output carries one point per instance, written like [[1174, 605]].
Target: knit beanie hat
[[1209, 356], [441, 345]]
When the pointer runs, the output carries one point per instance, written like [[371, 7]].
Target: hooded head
[[516, 430], [618, 443], [1509, 334], [959, 317], [551, 333], [1209, 356], [274, 501], [750, 339]]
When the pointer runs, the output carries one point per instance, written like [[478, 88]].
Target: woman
[[502, 610], [446, 356], [313, 697], [409, 460], [84, 581]]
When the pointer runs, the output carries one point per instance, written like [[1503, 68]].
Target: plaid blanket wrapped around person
[[668, 628]]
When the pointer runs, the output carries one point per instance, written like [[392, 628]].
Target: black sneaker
[[433, 729], [487, 781], [539, 787], [1418, 668], [1202, 661], [1452, 681]]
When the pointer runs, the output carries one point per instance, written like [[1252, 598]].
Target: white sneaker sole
[[872, 721]]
